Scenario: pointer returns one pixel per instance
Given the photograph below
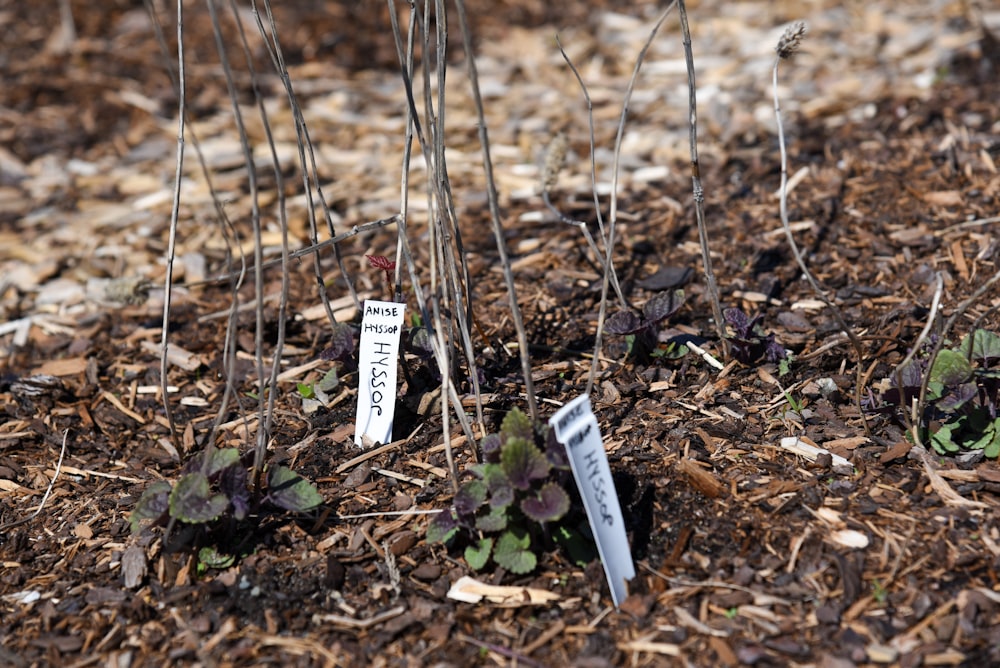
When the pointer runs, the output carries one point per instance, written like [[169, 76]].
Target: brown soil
[[744, 551]]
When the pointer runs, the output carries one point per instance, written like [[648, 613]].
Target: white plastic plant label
[[381, 325], [576, 428]]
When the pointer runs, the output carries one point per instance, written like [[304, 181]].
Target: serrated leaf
[[495, 520], [469, 497], [287, 489], [516, 425], [490, 447], [219, 459], [442, 527], [511, 552], [478, 555], [192, 501], [662, 305], [501, 492], [548, 505], [624, 322], [523, 462], [380, 262], [951, 368], [151, 506]]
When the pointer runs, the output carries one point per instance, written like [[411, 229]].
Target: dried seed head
[[555, 158], [791, 39]]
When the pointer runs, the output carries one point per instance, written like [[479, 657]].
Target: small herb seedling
[[215, 493], [386, 265], [748, 342], [643, 328], [963, 394], [507, 511]]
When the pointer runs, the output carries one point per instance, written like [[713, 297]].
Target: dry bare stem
[[696, 185], [787, 44], [554, 163], [609, 242], [491, 194], [168, 277]]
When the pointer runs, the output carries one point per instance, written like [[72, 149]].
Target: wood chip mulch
[[747, 553]]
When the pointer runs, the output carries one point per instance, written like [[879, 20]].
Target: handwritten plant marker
[[576, 428], [378, 353]]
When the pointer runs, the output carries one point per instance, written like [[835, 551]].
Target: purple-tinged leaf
[[222, 458], [233, 483], [287, 489], [469, 497], [555, 451], [739, 321], [442, 527], [490, 447], [662, 305], [773, 351], [501, 492], [910, 376], [493, 521], [517, 425], [523, 462], [985, 346], [951, 368], [192, 501], [152, 505], [341, 343], [548, 505], [956, 397], [624, 322]]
